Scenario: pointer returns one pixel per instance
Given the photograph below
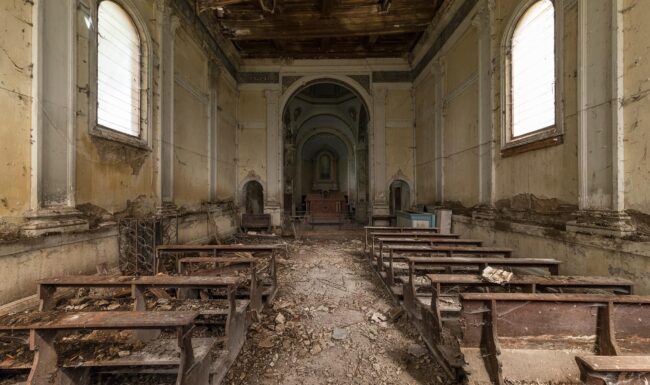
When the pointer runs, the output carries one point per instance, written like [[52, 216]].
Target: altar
[[326, 208], [326, 204]]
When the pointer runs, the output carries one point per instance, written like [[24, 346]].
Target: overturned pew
[[512, 337]]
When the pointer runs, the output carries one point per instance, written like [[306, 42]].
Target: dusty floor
[[331, 324]]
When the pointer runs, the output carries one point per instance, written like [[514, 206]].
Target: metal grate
[[138, 239]]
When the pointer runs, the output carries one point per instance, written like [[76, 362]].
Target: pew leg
[[44, 367]]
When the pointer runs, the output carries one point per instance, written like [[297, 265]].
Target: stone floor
[[332, 323]]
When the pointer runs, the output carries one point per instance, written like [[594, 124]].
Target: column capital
[[272, 95]]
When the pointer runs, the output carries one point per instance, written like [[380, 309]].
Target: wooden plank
[[637, 364], [234, 248], [576, 281], [218, 260], [583, 298], [126, 281], [453, 249], [112, 320], [430, 241]]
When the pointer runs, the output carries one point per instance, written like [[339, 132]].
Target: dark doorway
[[254, 197]]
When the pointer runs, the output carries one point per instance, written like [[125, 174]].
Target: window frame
[[143, 140], [547, 136]]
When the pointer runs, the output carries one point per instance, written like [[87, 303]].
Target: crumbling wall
[[15, 109], [636, 104]]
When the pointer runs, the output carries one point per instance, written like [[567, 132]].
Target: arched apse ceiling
[[319, 142]]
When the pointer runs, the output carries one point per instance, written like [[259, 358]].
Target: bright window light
[[118, 70], [533, 70]]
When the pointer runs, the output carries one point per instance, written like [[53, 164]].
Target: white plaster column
[[378, 182], [438, 127], [481, 22], [167, 26], [54, 88], [600, 121], [273, 193]]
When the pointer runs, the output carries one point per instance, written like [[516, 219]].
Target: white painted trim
[[394, 86], [72, 104], [189, 87], [458, 91], [582, 64], [318, 66], [618, 116], [37, 100]]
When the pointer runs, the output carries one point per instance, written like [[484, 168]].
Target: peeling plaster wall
[[636, 103], [551, 172], [252, 135], [15, 108], [425, 141], [399, 135]]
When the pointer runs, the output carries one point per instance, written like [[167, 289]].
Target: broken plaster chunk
[[416, 350], [498, 276], [279, 319]]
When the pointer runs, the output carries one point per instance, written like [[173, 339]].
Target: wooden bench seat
[[179, 251], [384, 242], [45, 327], [391, 229], [614, 370], [536, 337], [412, 235], [48, 286]]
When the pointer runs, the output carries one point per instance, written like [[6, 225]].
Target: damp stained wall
[[15, 108]]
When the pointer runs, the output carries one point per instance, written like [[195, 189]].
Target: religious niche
[[325, 175]]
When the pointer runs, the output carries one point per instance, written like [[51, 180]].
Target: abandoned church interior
[[324, 192]]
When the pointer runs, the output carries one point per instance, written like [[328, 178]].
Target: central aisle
[[331, 323]]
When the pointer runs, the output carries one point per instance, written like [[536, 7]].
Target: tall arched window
[[531, 75], [119, 70]]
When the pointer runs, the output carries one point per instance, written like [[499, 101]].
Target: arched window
[[119, 70], [531, 74]]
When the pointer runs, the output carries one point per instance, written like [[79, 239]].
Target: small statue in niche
[[325, 167]]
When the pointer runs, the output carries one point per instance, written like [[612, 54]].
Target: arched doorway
[[400, 196], [325, 132], [254, 197]]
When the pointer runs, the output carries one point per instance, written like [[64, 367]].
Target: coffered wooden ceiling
[[320, 28]]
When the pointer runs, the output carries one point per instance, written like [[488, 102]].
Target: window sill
[[114, 136], [531, 144]]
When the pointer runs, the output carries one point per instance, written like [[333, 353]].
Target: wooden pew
[[235, 311], [441, 304], [614, 370], [268, 278], [536, 337], [190, 360], [399, 253], [416, 235], [421, 242], [391, 229], [221, 265]]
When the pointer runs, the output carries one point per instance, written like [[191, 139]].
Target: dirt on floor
[[332, 323]]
